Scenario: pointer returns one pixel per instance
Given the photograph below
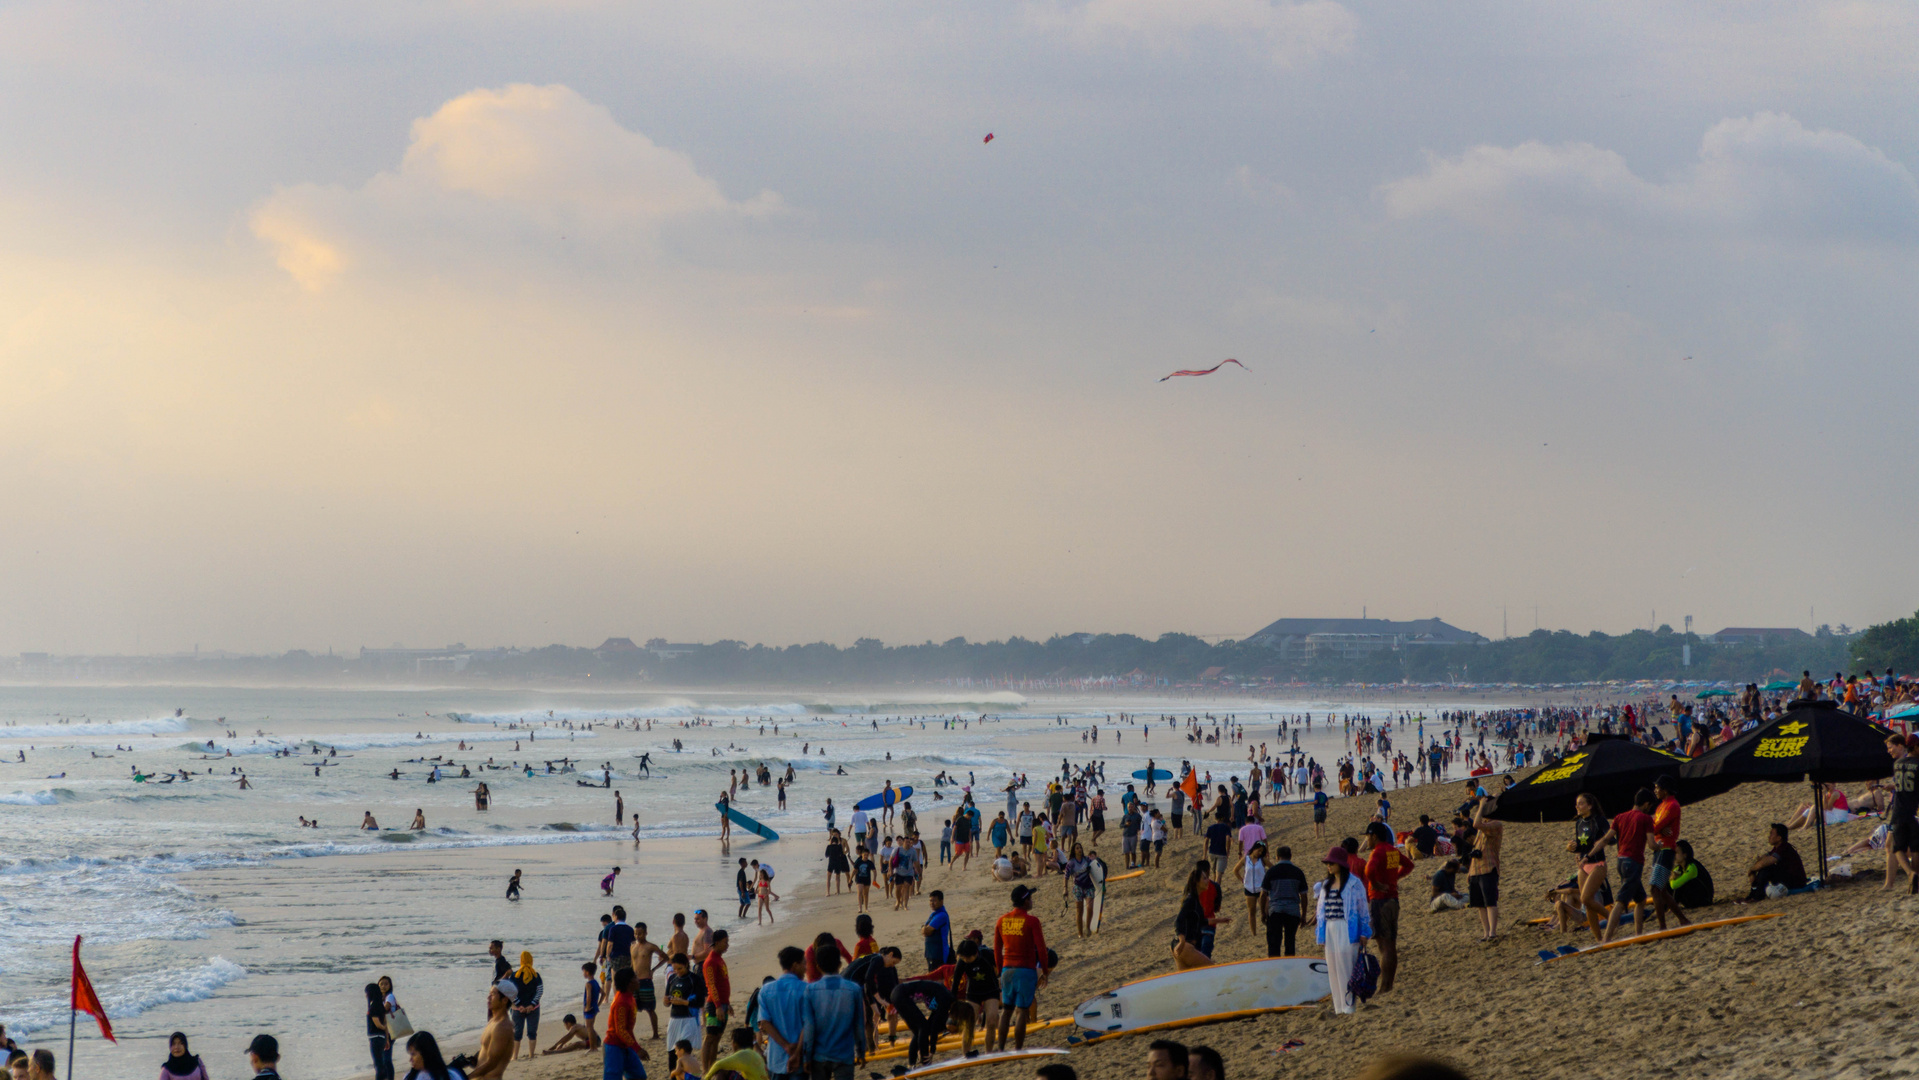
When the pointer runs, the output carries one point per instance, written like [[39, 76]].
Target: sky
[[348, 324]]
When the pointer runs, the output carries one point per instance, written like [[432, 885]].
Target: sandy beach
[[1813, 993]]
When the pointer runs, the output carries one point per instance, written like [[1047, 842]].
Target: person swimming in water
[[367, 823]]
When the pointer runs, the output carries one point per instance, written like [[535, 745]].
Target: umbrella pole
[[1819, 810]]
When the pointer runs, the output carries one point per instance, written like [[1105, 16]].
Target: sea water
[[208, 909]]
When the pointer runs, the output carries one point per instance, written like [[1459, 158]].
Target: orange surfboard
[[1662, 934]]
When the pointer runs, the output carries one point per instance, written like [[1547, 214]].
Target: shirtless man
[[703, 940], [496, 1041], [1482, 878], [647, 958], [678, 942]]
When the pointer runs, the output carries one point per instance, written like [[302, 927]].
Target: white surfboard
[[1098, 872], [1221, 988]]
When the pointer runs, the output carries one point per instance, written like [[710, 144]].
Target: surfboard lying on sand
[[952, 1042], [1190, 1021], [1275, 982], [989, 1059], [878, 799], [1662, 934], [1127, 875], [745, 822]]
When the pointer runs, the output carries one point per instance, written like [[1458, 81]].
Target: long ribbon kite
[[1207, 371]]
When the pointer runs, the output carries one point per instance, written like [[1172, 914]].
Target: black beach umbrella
[[1811, 740], [1611, 769]]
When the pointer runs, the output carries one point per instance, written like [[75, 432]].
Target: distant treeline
[[1544, 656]]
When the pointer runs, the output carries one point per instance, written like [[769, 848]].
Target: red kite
[[989, 138], [1207, 371]]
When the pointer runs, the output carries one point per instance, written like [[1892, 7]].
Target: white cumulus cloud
[[518, 160], [1764, 175]]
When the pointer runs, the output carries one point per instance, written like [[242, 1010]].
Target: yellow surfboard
[[988, 1059], [1125, 876], [1662, 934]]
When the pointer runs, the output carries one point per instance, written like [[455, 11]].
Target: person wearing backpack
[[1345, 924], [1284, 889]]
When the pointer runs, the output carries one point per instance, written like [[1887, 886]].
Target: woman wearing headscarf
[[1345, 921], [181, 1063], [526, 1008]]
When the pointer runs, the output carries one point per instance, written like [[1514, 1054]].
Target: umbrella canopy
[[1813, 740], [1777, 685], [1703, 694], [1903, 712], [1610, 769]]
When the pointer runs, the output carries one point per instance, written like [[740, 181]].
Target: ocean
[[209, 909]]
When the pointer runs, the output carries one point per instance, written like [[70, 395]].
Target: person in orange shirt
[[1385, 865], [1665, 841], [624, 1056]]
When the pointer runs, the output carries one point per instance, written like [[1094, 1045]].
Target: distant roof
[[1436, 631], [1762, 631], [619, 644]]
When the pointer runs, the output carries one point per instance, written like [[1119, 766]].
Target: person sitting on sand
[[1445, 882], [1195, 924], [743, 1062], [577, 1037], [1779, 865], [1874, 799], [1837, 810], [1691, 882]]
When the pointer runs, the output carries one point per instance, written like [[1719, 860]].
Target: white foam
[[157, 725], [28, 798], [131, 996], [303, 745], [675, 711]]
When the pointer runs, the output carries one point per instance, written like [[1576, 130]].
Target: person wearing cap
[[496, 1039], [1345, 922], [263, 1053], [1019, 948]]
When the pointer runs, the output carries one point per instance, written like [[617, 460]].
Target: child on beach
[[577, 1036], [589, 1006], [606, 883]]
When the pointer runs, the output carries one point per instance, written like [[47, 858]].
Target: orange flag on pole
[[85, 1000], [1191, 786]]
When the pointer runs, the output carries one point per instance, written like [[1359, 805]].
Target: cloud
[[1764, 175], [1288, 33], [524, 160]]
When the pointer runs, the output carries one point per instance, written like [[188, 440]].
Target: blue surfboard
[[745, 822], [1158, 774], [878, 798]]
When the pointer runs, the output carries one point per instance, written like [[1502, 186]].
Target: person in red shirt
[[813, 973], [1385, 865], [719, 999], [624, 1056], [1627, 837], [1019, 948], [1665, 842]]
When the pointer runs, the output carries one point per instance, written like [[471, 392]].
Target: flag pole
[[73, 1017]]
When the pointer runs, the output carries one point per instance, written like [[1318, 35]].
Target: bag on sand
[[1365, 978]]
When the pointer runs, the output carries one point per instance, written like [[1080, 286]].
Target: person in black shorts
[[1902, 819]]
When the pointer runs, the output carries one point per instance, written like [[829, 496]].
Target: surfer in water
[[367, 824], [646, 762]]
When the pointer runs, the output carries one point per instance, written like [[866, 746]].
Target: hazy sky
[[342, 324]]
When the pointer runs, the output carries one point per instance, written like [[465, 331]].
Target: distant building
[[616, 646], [670, 651], [1345, 639], [453, 658], [1759, 635]]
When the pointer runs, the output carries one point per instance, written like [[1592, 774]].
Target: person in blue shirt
[[938, 932], [835, 1020], [1321, 801], [783, 1017]]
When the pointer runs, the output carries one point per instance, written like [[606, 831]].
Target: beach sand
[[1820, 992]]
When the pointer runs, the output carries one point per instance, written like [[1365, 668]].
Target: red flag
[[84, 999], [989, 138]]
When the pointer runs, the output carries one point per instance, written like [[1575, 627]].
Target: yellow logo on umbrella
[[1559, 772], [1782, 747], [1793, 728]]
